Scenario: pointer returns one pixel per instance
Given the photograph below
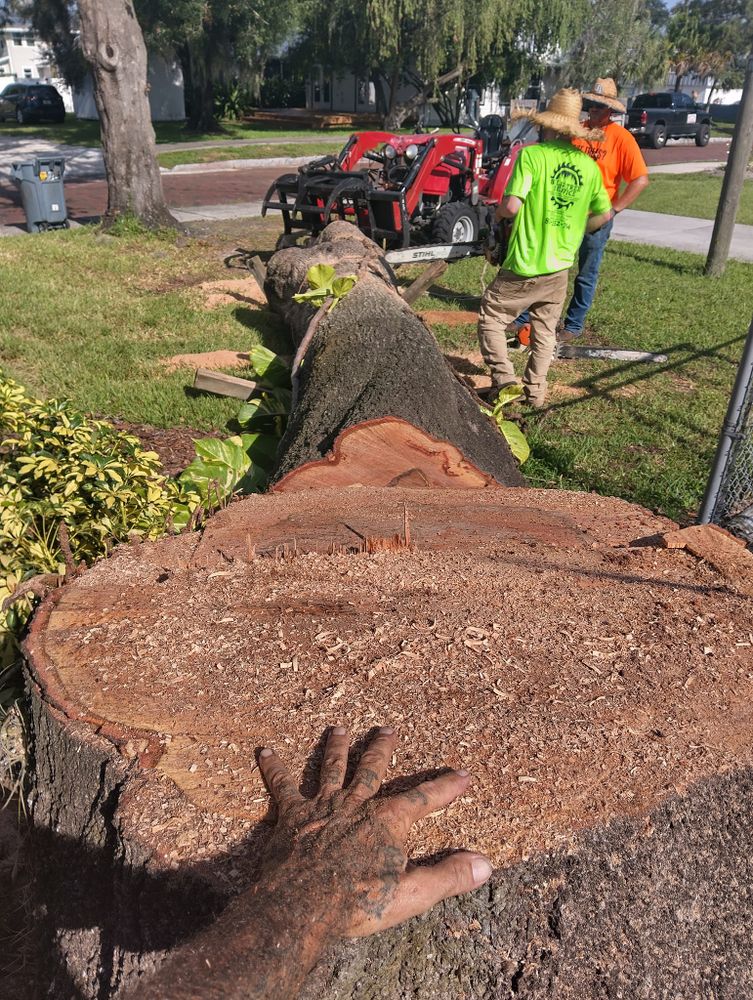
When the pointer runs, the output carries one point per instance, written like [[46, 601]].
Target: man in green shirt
[[555, 194]]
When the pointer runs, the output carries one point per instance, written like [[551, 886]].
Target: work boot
[[568, 336]]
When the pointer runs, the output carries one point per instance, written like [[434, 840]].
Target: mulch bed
[[174, 445]]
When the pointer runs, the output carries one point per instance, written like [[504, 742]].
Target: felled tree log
[[371, 357], [600, 692]]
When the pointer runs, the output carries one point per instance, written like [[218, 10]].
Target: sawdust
[[232, 291], [214, 360], [578, 676]]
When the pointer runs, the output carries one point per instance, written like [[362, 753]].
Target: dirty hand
[[349, 847]]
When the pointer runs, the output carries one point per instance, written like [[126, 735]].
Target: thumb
[[422, 886]]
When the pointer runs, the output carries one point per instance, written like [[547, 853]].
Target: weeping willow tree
[[433, 44], [619, 38]]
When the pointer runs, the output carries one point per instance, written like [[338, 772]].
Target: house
[[24, 56]]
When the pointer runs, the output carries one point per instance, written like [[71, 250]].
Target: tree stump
[[599, 688], [370, 357]]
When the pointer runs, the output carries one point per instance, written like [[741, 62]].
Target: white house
[[23, 56]]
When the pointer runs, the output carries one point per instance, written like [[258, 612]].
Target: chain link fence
[[729, 493]]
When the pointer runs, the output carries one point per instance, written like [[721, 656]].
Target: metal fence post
[[730, 433]]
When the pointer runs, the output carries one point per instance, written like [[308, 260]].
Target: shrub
[[61, 468]]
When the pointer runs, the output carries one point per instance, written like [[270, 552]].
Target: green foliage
[[711, 38], [58, 467], [324, 285], [242, 463], [618, 39], [232, 100], [514, 436], [390, 40]]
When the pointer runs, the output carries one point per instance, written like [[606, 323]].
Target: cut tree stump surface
[[578, 679]]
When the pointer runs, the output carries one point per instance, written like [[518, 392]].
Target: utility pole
[[734, 176]]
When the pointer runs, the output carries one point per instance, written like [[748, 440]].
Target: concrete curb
[[223, 165]]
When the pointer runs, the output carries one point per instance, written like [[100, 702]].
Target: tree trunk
[[596, 690], [201, 116], [399, 112], [371, 357], [113, 45]]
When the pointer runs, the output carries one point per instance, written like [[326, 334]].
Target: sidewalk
[[678, 232]]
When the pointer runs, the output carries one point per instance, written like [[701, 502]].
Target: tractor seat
[[491, 130]]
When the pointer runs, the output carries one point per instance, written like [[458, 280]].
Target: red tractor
[[401, 190]]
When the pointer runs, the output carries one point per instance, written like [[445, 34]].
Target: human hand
[[348, 847]]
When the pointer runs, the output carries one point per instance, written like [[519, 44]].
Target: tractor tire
[[455, 223], [659, 137], [703, 135]]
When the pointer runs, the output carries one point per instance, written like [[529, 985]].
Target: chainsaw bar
[[571, 352], [441, 251]]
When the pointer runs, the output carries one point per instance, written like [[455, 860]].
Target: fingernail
[[266, 752], [481, 869], [462, 773], [338, 730], [386, 731]]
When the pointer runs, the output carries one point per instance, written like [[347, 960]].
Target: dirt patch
[[231, 291], [682, 383], [174, 445], [449, 317], [214, 360]]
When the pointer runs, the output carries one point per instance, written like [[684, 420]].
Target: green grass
[[645, 432], [90, 317], [723, 129], [695, 195], [86, 133], [216, 154]]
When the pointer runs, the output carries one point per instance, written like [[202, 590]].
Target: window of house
[[27, 72], [326, 90]]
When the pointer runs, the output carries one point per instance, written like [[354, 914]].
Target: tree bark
[[113, 44], [371, 357], [566, 667]]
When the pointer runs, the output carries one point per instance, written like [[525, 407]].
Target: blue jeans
[[589, 261]]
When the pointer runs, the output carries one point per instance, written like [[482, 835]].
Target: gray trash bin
[[41, 185]]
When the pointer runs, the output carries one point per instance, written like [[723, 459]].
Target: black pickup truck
[[658, 117]]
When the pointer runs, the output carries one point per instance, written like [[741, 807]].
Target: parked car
[[658, 117], [31, 102]]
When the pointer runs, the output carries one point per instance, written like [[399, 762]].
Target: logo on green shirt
[[567, 181]]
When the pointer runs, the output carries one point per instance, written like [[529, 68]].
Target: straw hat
[[605, 92], [563, 115]]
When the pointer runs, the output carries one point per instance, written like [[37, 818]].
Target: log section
[[600, 692], [371, 357]]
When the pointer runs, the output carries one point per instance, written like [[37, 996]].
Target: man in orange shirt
[[620, 161]]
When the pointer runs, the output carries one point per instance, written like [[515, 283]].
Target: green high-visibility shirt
[[560, 186]]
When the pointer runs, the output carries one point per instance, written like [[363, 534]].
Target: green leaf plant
[[514, 436], [242, 463], [323, 285]]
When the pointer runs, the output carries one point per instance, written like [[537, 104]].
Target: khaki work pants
[[504, 300]]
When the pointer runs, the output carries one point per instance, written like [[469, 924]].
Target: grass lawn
[[639, 431], [215, 154], [86, 133], [696, 195], [90, 316]]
